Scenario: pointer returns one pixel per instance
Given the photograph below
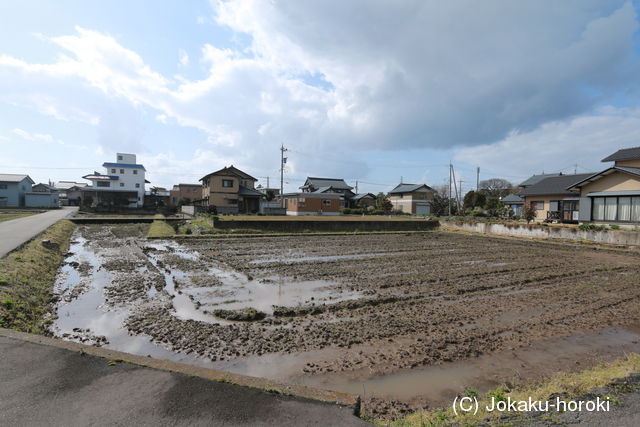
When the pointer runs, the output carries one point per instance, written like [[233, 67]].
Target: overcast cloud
[[490, 81]]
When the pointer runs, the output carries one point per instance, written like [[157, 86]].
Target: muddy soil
[[359, 307]]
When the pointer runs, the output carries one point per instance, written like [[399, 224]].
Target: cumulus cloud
[[560, 145], [337, 77]]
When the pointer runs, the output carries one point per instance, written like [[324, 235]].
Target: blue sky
[[369, 90]]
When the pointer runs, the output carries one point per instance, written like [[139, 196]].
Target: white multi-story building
[[122, 183]]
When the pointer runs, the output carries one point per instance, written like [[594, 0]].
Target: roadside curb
[[182, 368]]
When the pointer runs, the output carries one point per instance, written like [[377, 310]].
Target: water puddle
[[324, 258], [440, 383]]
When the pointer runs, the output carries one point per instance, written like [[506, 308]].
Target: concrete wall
[[285, 226], [41, 200], [570, 233], [618, 181]]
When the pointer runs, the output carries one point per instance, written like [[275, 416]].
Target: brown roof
[[230, 171]]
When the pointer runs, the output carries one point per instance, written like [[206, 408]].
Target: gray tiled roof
[[244, 191], [361, 195], [555, 185], [512, 198], [336, 183], [12, 177], [407, 188], [534, 179], [624, 154]]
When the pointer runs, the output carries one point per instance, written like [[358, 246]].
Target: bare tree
[[496, 187]]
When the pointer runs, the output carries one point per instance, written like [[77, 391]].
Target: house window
[[610, 209], [135, 172], [113, 171], [233, 201], [119, 157], [326, 202], [103, 184], [539, 206], [122, 184], [301, 200], [227, 183], [625, 209], [122, 171], [3, 186], [137, 185]]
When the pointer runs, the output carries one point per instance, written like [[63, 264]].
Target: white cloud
[[343, 77], [33, 136], [183, 58], [558, 146]]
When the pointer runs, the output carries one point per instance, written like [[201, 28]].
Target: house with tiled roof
[[13, 189], [412, 198], [553, 199], [612, 195], [230, 190]]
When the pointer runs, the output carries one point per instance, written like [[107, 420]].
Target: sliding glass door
[[614, 208]]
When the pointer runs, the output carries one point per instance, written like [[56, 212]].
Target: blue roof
[[122, 165]]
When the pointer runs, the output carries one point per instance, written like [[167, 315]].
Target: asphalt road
[[45, 385], [15, 232]]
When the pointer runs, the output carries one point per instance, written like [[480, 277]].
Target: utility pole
[[575, 169], [455, 186], [450, 171], [461, 196], [356, 187], [267, 183], [478, 178], [283, 160]]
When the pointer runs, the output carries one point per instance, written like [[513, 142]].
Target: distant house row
[[21, 191], [609, 196]]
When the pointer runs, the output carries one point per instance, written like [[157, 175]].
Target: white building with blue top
[[122, 183]]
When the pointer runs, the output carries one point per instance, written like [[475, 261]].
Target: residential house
[[230, 190], [121, 185], [412, 198], [552, 199], [313, 203], [534, 179], [13, 189], [612, 195], [187, 193], [42, 196], [69, 192], [363, 200], [332, 185], [157, 196], [513, 202]]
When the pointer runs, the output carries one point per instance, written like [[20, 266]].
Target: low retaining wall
[[285, 226], [121, 220], [610, 236]]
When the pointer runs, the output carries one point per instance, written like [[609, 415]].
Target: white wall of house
[[131, 177]]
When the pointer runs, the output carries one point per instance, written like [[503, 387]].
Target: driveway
[[15, 232], [46, 385]]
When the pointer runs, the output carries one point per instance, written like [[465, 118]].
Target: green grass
[[575, 385], [26, 280], [10, 216], [160, 229]]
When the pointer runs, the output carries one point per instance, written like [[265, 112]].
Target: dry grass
[[26, 280], [575, 385], [160, 229]]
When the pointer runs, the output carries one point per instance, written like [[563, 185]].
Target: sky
[[372, 91]]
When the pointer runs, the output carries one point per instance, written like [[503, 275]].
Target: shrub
[[592, 227], [614, 227], [345, 211]]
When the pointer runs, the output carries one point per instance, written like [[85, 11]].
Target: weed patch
[[27, 277]]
